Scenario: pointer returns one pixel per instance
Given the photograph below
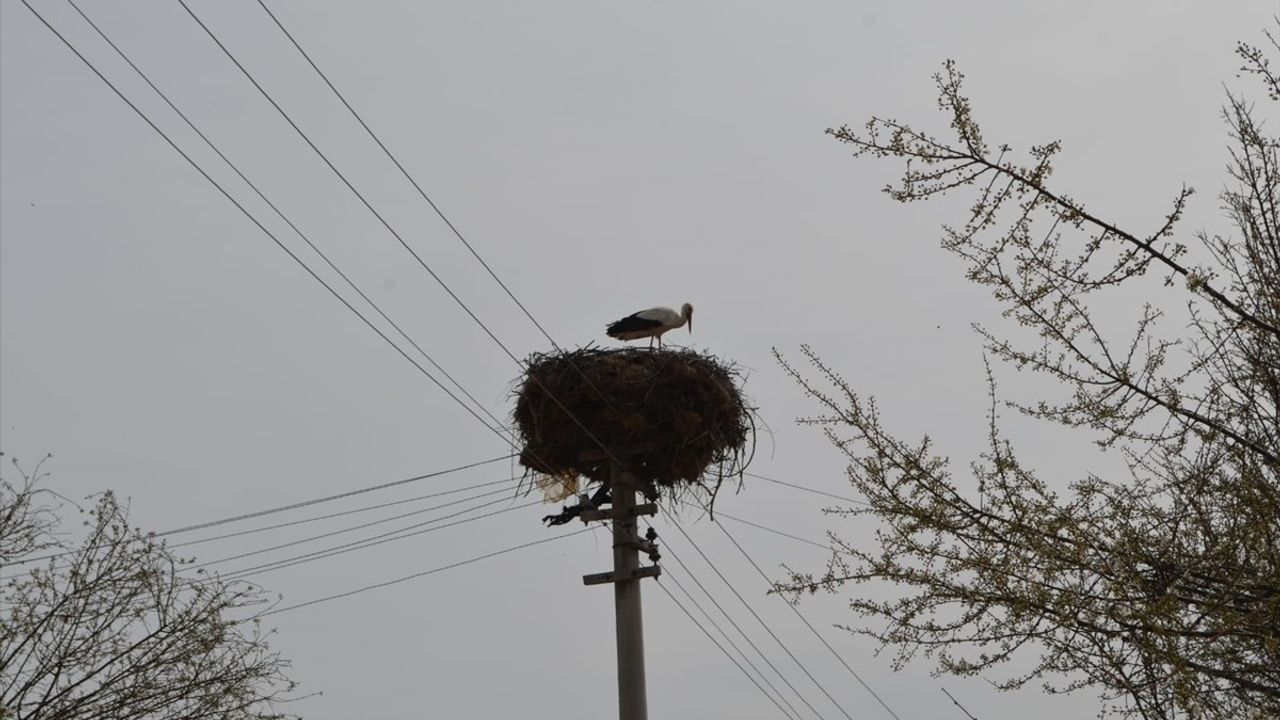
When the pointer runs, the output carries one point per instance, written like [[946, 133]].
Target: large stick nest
[[674, 419]]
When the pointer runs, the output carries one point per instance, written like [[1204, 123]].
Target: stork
[[651, 323]]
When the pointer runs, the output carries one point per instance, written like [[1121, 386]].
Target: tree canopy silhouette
[[1161, 589]]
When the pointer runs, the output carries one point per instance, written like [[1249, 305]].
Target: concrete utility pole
[[625, 577]]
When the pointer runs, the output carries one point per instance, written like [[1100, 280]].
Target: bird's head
[[687, 311]]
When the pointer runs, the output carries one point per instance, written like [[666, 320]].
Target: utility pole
[[626, 575]]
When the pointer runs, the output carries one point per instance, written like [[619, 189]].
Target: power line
[[355, 545], [805, 489], [750, 643], [440, 213], [790, 712], [209, 178], [308, 269], [365, 543], [719, 647], [469, 247], [329, 498], [756, 615], [406, 578], [239, 206], [721, 514], [350, 186], [497, 426], [246, 213], [963, 709], [330, 516], [366, 508], [497, 423], [812, 629], [362, 526], [797, 538], [320, 153], [407, 176], [440, 281], [52, 556]]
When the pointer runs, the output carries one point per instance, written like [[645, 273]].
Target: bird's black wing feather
[[632, 323]]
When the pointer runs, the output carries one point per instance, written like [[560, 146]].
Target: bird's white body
[[651, 323]]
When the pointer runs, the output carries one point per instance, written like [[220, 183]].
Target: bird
[[651, 323]]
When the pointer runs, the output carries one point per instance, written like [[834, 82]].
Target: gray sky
[[604, 157]]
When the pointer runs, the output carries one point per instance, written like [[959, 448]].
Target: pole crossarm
[[616, 513], [613, 577]]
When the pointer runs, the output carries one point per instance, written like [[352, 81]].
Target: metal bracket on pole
[[613, 577], [617, 514]]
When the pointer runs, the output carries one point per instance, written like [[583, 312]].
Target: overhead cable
[[330, 498], [805, 489], [406, 578], [365, 543], [362, 526], [497, 424], [246, 213], [812, 629], [790, 711], [720, 647], [668, 550], [756, 615], [343, 513], [369, 206]]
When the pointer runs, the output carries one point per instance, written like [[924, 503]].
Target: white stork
[[651, 323]]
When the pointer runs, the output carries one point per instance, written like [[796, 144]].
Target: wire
[[321, 554], [345, 302], [93, 68], [399, 166], [759, 652], [440, 281], [721, 513], [498, 426], [454, 491], [812, 629], [247, 214], [389, 536], [329, 498], [353, 528], [718, 606], [956, 702], [406, 578], [407, 176], [806, 489], [303, 504], [391, 156], [497, 423], [756, 615], [366, 543], [720, 647], [341, 514]]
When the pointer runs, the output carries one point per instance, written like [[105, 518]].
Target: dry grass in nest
[[675, 419]]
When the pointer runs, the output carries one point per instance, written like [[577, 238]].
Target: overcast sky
[[604, 157]]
